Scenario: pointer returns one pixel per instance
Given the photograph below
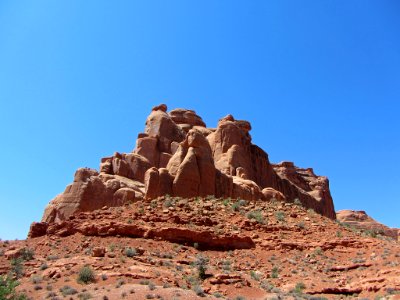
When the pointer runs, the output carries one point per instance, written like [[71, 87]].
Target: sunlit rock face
[[178, 155]]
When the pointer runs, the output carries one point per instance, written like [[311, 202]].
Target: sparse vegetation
[[7, 289], [86, 275], [256, 215], [201, 265], [300, 286], [275, 272], [17, 268], [199, 290], [301, 225], [297, 202], [85, 296], [130, 252], [280, 216], [27, 254], [67, 290], [255, 275], [238, 204]]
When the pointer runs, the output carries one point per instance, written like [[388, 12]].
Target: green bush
[[275, 272], [299, 288], [7, 289], [130, 252], [27, 254], [238, 204], [256, 215], [67, 290], [86, 275], [280, 216], [17, 268], [201, 265]]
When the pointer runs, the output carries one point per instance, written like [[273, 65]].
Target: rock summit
[[178, 155]]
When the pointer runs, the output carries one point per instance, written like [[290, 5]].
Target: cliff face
[[178, 155]]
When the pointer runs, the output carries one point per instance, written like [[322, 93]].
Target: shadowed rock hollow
[[179, 156]]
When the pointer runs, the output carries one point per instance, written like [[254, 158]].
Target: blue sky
[[318, 80]]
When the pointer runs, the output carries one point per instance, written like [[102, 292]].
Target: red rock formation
[[178, 155], [361, 220]]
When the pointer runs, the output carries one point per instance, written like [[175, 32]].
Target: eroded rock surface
[[360, 220], [178, 155]]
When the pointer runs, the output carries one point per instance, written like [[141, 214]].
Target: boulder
[[123, 196], [272, 194]]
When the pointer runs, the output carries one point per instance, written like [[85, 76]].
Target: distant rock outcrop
[[360, 220], [178, 155]]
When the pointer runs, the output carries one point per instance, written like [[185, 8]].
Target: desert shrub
[[85, 296], [86, 275], [256, 276], [256, 215], [151, 286], [301, 225], [52, 257], [201, 265], [43, 266], [238, 204], [169, 203], [199, 290], [120, 282], [17, 269], [318, 251], [27, 254], [275, 272], [300, 286], [217, 295], [311, 211], [297, 202], [67, 290], [36, 279], [266, 285], [226, 265], [280, 216], [153, 203], [226, 201], [130, 252], [7, 287]]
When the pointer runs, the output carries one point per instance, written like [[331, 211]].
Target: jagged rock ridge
[[178, 155]]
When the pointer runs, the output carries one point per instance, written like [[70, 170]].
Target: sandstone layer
[[360, 220], [178, 155]]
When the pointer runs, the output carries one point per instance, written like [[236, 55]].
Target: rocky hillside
[[193, 248], [178, 155], [359, 219]]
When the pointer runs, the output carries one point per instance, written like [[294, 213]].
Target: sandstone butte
[[195, 212], [178, 155]]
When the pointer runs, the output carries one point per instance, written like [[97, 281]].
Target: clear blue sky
[[318, 80]]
